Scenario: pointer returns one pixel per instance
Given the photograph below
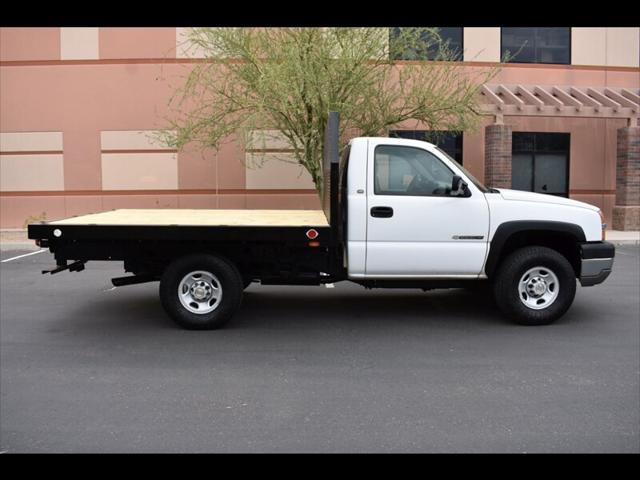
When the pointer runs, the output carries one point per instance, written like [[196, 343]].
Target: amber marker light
[[604, 225]]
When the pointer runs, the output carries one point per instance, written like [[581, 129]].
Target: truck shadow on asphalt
[[361, 308], [298, 308]]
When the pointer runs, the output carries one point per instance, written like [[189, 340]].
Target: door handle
[[382, 212]]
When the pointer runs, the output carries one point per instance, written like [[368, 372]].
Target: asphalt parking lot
[[88, 368]]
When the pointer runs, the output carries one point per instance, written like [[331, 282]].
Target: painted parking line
[[22, 256]]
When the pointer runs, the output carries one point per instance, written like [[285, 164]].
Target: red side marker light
[[312, 234]]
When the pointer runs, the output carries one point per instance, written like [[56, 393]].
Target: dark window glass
[[450, 142], [537, 45], [450, 36], [410, 171], [540, 162]]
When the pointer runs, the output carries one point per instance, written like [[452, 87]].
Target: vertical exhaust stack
[[330, 168]]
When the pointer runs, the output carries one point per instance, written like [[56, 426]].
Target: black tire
[[512, 270], [229, 279]]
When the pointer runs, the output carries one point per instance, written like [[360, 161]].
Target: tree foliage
[[288, 79]]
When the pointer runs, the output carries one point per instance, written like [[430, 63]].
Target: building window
[[537, 45], [451, 37], [541, 162], [450, 142]]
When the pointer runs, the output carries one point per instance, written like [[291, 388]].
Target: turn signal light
[[314, 244]]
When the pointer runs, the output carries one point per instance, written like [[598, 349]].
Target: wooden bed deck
[[185, 217]]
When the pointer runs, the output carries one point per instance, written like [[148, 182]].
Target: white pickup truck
[[397, 213]]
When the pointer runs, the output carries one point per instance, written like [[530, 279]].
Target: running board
[[133, 280]]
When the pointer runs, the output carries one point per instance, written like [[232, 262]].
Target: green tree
[[288, 79]]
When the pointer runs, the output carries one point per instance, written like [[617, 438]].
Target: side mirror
[[459, 187]]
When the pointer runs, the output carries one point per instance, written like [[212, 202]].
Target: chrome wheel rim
[[538, 288], [200, 292]]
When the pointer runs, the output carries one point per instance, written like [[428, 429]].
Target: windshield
[[475, 181]]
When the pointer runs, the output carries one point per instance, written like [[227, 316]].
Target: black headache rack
[[323, 253], [331, 175]]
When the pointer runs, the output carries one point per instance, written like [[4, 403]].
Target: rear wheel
[[201, 292], [535, 286]]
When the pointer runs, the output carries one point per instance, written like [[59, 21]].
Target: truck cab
[[416, 217], [414, 212]]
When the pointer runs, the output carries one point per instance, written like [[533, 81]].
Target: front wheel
[[201, 292], [535, 286]]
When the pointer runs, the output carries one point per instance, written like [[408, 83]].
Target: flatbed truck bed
[[273, 247], [186, 217], [270, 246]]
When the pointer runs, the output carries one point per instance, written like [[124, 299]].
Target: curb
[[624, 242]]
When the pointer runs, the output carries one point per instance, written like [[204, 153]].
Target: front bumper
[[596, 262]]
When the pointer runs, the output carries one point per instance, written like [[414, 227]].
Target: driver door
[[415, 226]]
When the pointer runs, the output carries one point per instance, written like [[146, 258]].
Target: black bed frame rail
[[68, 233]]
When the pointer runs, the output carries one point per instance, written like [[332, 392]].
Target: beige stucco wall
[[139, 171], [137, 160], [31, 161], [33, 172], [184, 48], [130, 140], [30, 141], [79, 43], [589, 46], [481, 44], [276, 171], [623, 47], [612, 47]]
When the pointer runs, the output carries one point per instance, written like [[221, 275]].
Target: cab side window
[[400, 170]]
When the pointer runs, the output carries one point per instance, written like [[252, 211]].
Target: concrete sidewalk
[[16, 239], [618, 237]]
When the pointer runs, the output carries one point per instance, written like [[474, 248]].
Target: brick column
[[497, 155], [626, 213]]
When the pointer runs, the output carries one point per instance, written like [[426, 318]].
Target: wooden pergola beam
[[493, 98], [511, 96], [584, 98], [567, 99], [530, 97], [545, 95], [620, 99], [602, 98], [634, 97]]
